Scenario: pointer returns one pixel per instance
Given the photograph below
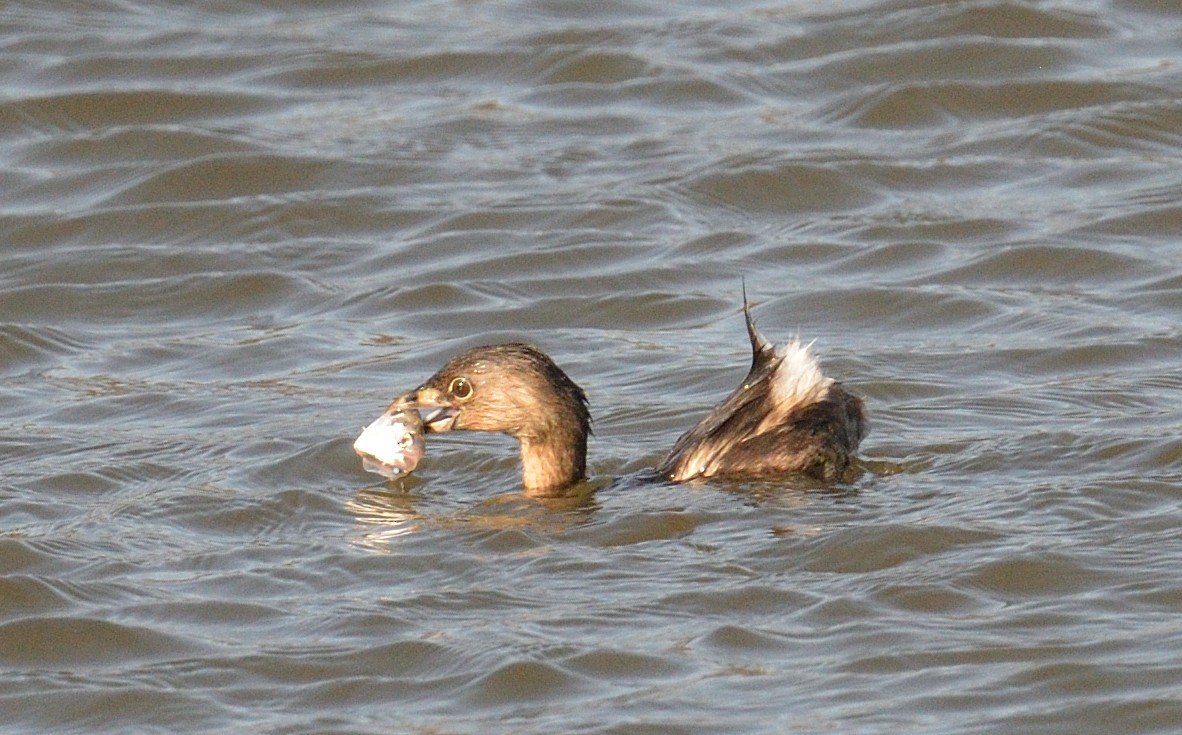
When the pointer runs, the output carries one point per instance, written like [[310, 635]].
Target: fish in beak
[[393, 444]]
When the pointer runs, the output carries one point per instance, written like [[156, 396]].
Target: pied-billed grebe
[[785, 417]]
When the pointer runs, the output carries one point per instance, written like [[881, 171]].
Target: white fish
[[393, 444]]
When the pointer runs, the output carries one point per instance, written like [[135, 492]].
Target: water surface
[[231, 232]]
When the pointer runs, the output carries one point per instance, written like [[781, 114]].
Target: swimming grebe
[[785, 417]]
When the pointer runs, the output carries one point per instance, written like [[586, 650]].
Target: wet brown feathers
[[518, 390], [785, 417]]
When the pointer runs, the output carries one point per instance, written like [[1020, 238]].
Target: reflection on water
[[382, 516], [233, 232], [389, 511]]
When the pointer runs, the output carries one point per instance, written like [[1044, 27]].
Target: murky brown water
[[230, 232]]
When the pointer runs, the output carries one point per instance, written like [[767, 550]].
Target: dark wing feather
[[817, 439]]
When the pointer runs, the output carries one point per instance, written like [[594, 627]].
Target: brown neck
[[551, 463]]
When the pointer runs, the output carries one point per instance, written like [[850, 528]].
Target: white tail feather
[[797, 380]]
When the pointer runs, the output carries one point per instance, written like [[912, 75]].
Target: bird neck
[[554, 461]]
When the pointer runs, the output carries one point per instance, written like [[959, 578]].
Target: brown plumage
[[517, 390], [785, 418]]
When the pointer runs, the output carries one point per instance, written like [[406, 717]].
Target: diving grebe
[[785, 417]]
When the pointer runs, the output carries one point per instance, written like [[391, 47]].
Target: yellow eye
[[460, 389]]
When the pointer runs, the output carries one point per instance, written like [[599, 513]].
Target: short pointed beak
[[439, 414]]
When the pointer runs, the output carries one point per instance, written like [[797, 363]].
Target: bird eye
[[460, 389]]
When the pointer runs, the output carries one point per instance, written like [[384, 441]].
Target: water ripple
[[233, 233]]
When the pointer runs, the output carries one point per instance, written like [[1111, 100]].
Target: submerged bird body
[[785, 417]]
